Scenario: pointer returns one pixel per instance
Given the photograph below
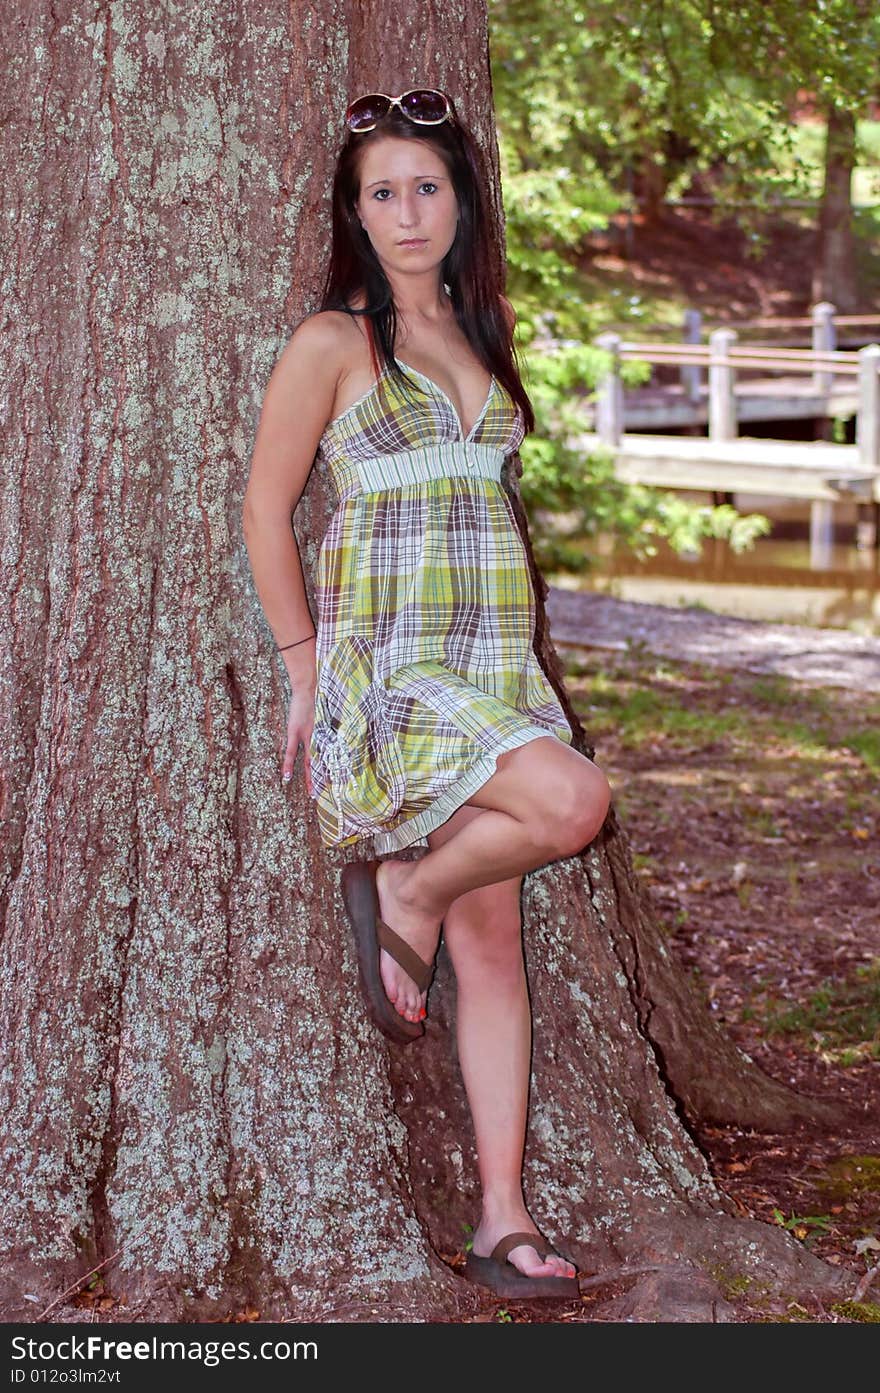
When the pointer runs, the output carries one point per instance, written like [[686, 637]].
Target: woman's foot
[[420, 930], [524, 1258]]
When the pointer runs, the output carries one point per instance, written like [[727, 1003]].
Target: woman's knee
[[576, 807], [558, 795]]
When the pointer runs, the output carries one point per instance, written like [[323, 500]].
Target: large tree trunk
[[190, 1085], [834, 273]]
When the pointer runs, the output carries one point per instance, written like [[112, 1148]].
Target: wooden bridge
[[722, 386]]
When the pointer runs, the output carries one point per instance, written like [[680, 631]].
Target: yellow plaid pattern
[[426, 616]]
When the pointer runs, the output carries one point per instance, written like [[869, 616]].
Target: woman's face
[[406, 193]]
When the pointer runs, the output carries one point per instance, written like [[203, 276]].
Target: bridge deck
[[786, 469]]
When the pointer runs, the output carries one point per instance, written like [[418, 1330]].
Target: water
[[773, 581]]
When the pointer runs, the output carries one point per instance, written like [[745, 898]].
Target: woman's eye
[[427, 184]]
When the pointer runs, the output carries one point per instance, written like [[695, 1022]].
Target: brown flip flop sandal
[[371, 933], [500, 1275]]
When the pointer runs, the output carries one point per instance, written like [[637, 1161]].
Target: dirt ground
[[752, 804]]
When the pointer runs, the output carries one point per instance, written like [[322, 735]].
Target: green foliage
[[671, 88], [549, 212], [838, 429], [808, 150], [801, 1225]]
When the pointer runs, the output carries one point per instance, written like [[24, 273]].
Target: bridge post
[[690, 372], [868, 419], [722, 379], [821, 534], [609, 393], [824, 341]]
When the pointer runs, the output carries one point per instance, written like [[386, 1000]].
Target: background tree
[[830, 52], [192, 1095], [636, 97]]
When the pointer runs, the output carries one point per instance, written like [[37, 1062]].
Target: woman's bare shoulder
[[326, 331], [323, 345]]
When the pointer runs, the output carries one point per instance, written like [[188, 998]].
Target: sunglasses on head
[[423, 105]]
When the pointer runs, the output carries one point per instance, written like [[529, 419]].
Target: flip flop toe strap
[[513, 1240], [420, 971]]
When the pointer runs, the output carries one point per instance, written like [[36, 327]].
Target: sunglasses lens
[[425, 105], [366, 111]]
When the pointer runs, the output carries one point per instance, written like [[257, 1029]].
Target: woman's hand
[[300, 721]]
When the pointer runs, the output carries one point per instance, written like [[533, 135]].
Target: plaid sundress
[[425, 615]]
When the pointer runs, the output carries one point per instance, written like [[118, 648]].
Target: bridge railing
[[823, 326], [722, 359]]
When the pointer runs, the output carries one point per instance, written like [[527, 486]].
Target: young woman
[[424, 715]]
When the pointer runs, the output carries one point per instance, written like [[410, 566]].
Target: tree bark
[[835, 275], [191, 1091], [652, 181]]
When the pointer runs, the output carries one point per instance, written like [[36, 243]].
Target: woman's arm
[[297, 405]]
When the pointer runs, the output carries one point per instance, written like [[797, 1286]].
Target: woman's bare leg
[[482, 930], [546, 800]]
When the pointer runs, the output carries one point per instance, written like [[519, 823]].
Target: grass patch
[[643, 699], [852, 1175], [770, 691], [866, 225], [810, 741], [840, 1020], [865, 742], [776, 692], [867, 1311]]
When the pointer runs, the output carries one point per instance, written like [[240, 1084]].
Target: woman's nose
[[407, 214]]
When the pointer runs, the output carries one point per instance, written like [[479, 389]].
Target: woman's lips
[[413, 242]]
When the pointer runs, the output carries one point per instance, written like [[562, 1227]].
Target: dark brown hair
[[470, 268]]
